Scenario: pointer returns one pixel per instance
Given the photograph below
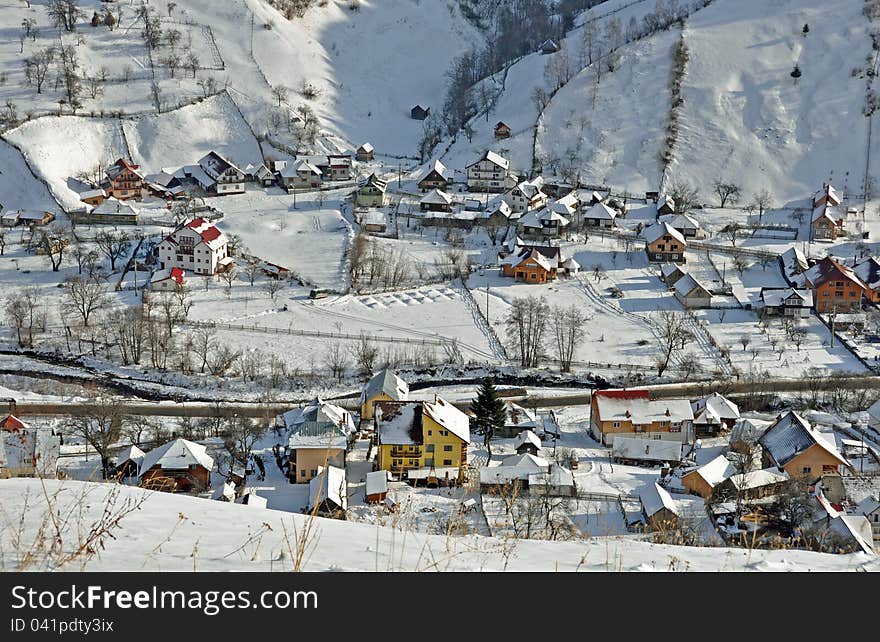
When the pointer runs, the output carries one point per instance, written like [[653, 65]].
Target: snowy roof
[[214, 164], [366, 147], [571, 264], [224, 491], [389, 383], [715, 471], [714, 408], [377, 482], [517, 414], [681, 221], [437, 197], [668, 269], [856, 528], [646, 449], [329, 484], [530, 255], [659, 230], [319, 418], [374, 181], [601, 211], [868, 270], [538, 218], [530, 189], [791, 435], [656, 498], [874, 409], [493, 158], [748, 430], [513, 467], [397, 421], [117, 207], [687, 284], [330, 441], [793, 258], [556, 475], [665, 199], [250, 498], [121, 165], [828, 269], [438, 167], [174, 273], [776, 297], [828, 212], [92, 193], [130, 453], [636, 406], [179, 454], [828, 191], [304, 166], [450, 417], [526, 437], [758, 478], [207, 231]]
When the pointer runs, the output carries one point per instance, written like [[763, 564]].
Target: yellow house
[[384, 386], [422, 440]]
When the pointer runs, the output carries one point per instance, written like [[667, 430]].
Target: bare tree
[[53, 240], [727, 192], [684, 195], [172, 37], [24, 314], [240, 435], [251, 266], [689, 366], [228, 277], [365, 354], [568, 325], [672, 337], [37, 67], [280, 94], [64, 14], [732, 230], [156, 96], [113, 245], [191, 62], [526, 325], [100, 428], [273, 287], [745, 340], [84, 296], [172, 61], [336, 360], [740, 264], [129, 327], [763, 201]]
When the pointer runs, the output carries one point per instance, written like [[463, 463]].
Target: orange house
[[632, 413], [665, 244], [125, 180], [530, 267], [868, 271], [836, 288], [791, 444]]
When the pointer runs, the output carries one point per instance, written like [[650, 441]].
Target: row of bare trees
[[531, 322]]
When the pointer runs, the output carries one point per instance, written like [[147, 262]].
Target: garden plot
[[598, 518], [304, 236]]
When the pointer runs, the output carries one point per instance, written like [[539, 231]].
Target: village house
[[745, 434], [93, 197], [526, 196], [372, 192], [167, 280], [228, 179], [544, 223], [533, 264], [376, 486], [9, 218], [422, 440], [527, 442], [490, 173], [274, 271], [660, 510], [502, 130], [114, 212], [197, 247], [436, 201], [664, 244], [794, 446], [510, 471], [328, 492], [632, 413], [419, 113], [786, 302], [599, 215], [549, 47], [665, 205], [27, 451], [259, 174], [337, 167], [714, 413], [301, 174], [637, 451], [826, 196], [691, 293], [438, 177], [124, 180], [177, 466], [169, 184], [835, 287], [826, 223], [704, 479], [372, 221], [556, 481], [670, 273], [320, 435], [868, 272], [365, 153], [687, 225], [382, 386], [793, 262], [496, 214], [870, 509], [128, 462], [754, 484]]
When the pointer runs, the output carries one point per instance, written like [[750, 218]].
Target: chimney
[[667, 412]]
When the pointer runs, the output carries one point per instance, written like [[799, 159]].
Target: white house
[[490, 173], [526, 196], [228, 179], [167, 280], [197, 246], [544, 223]]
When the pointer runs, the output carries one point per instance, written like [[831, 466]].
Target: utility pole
[[399, 174], [487, 306]]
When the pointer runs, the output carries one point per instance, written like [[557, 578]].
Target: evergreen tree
[[806, 29], [796, 73], [490, 412]]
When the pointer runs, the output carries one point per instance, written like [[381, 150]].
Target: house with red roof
[[198, 247], [124, 180], [836, 287], [167, 280], [632, 413], [27, 451]]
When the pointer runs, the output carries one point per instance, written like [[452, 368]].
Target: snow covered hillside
[[746, 119], [208, 535]]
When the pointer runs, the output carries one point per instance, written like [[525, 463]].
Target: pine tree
[[796, 73], [490, 412], [806, 29]]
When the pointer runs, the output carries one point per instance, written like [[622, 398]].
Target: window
[[807, 469], [675, 427], [430, 432], [615, 424], [447, 449], [429, 448], [447, 462], [303, 473], [314, 472], [639, 428], [429, 461], [412, 462]]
